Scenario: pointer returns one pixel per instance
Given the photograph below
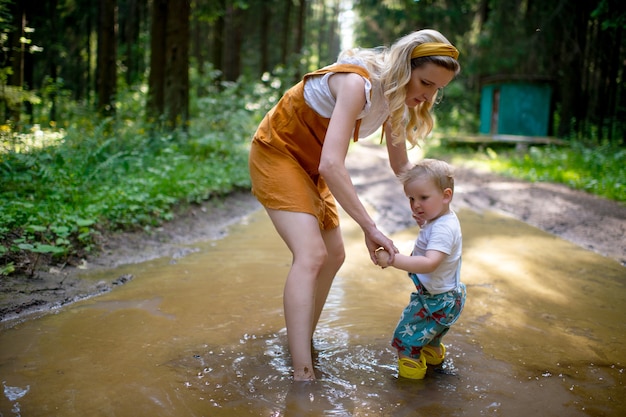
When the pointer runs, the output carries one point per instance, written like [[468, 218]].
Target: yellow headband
[[434, 48]]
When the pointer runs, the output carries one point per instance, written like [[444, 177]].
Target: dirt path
[[594, 223]]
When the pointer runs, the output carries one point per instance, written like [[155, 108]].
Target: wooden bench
[[520, 142]]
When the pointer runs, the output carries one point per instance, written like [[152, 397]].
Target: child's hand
[[419, 220], [382, 258]]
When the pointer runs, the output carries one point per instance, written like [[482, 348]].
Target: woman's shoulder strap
[[341, 68]]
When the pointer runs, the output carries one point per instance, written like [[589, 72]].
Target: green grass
[[54, 200], [63, 188]]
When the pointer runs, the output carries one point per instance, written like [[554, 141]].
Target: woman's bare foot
[[304, 374]]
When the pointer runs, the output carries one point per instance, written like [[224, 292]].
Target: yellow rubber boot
[[412, 368], [431, 355]]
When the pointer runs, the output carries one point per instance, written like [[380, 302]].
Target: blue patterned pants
[[427, 319]]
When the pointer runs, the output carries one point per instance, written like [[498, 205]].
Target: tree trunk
[[106, 77], [232, 55], [130, 24], [218, 39], [573, 44], [177, 63], [16, 61], [301, 28], [286, 30], [299, 44], [156, 79], [264, 28]]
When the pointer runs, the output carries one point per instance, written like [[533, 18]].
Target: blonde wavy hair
[[392, 68]]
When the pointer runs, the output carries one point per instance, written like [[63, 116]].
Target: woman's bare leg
[[307, 244], [335, 258]]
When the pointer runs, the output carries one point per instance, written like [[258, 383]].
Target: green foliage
[[598, 170], [456, 111], [62, 188], [14, 96]]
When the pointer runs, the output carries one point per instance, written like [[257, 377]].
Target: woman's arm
[[398, 157], [349, 91], [399, 161]]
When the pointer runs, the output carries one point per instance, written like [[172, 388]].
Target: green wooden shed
[[515, 105]]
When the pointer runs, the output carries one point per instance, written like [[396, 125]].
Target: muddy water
[[543, 334]]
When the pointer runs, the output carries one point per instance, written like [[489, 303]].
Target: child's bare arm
[[415, 264]]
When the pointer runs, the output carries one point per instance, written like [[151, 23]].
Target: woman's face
[[425, 81]]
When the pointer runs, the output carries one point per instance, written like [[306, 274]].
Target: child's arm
[[415, 264]]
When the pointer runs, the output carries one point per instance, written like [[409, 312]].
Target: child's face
[[427, 200]]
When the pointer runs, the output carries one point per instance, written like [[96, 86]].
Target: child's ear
[[447, 195]]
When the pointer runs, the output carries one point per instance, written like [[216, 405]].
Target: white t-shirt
[[317, 95], [443, 235]]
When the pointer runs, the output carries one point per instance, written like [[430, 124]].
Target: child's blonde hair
[[392, 68], [437, 170]]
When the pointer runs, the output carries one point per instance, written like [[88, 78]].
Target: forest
[[114, 113]]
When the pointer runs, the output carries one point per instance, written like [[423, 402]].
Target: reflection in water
[[150, 306], [542, 334]]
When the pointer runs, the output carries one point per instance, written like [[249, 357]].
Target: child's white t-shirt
[[443, 235]]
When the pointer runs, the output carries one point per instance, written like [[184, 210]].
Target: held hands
[[382, 258], [376, 240]]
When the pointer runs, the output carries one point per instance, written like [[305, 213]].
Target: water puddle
[[542, 334]]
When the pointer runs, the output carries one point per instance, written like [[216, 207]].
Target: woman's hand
[[375, 240], [382, 257]]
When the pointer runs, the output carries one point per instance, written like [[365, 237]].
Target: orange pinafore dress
[[285, 154]]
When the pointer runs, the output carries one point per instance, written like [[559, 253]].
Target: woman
[[297, 161]]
